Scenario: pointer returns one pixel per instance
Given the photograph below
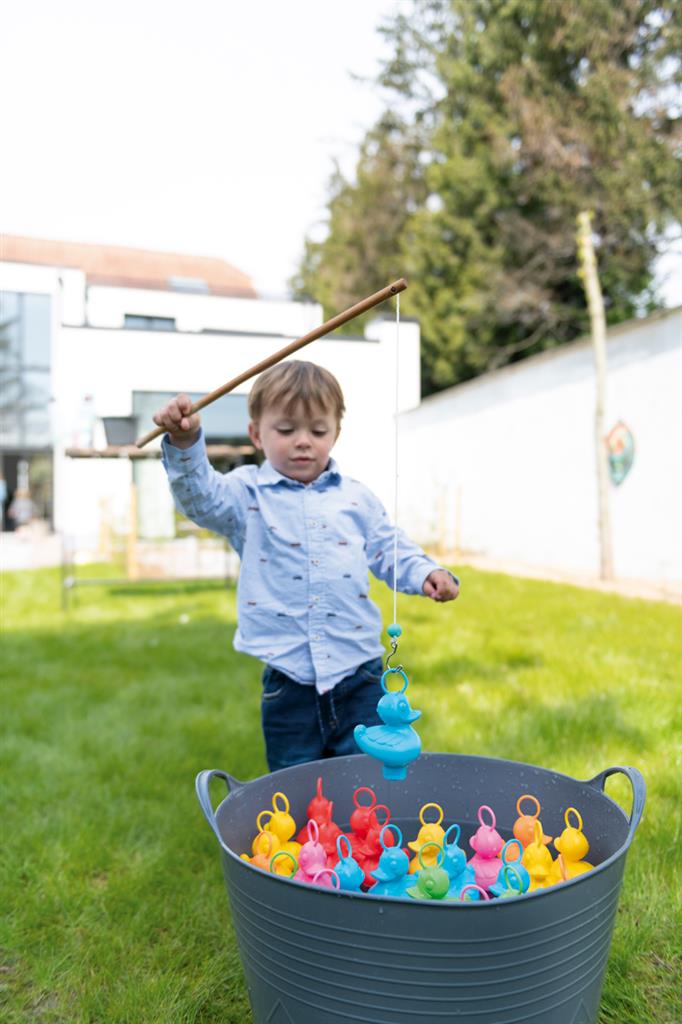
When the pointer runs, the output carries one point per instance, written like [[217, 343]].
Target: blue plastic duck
[[391, 871], [514, 881], [395, 744], [455, 864], [350, 874]]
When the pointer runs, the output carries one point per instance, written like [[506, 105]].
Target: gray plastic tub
[[317, 956]]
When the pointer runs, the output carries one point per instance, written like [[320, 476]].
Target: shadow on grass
[[152, 588]]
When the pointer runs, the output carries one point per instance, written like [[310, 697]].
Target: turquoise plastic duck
[[517, 880], [350, 874], [395, 743], [391, 874], [455, 864]]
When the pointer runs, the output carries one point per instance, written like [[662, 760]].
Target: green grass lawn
[[113, 901]]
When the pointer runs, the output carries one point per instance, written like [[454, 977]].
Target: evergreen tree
[[516, 115]]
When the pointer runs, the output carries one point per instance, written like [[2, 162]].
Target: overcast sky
[[207, 127]]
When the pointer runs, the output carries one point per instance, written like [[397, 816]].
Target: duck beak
[[413, 716], [380, 876]]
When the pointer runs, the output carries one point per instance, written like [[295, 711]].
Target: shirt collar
[[268, 476]]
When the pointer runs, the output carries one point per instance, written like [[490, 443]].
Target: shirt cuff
[[418, 575], [424, 572], [181, 461]]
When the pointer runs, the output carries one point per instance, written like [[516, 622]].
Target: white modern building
[[503, 467], [107, 334]]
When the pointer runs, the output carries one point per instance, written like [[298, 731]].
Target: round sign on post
[[620, 446]]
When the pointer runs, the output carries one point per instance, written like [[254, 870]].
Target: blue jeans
[[300, 724]]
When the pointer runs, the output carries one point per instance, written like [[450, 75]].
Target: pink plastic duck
[[313, 857], [487, 844]]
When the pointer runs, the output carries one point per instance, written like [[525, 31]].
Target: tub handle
[[204, 797], [638, 791]]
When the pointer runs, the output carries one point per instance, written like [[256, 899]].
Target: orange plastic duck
[[524, 826]]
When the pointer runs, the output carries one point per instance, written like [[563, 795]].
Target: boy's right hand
[[178, 420]]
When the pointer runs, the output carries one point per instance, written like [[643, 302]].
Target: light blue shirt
[[302, 600]]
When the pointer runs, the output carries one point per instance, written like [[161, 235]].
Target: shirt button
[[316, 636], [315, 597], [314, 523], [315, 561]]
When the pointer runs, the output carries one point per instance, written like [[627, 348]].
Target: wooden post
[[104, 546], [133, 571], [442, 523], [590, 278], [458, 521]]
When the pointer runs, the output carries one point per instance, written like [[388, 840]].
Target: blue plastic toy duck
[[517, 880], [391, 874], [395, 744], [350, 874], [455, 864]]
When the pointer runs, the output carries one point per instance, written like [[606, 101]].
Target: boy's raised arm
[[177, 420], [210, 499], [416, 572]]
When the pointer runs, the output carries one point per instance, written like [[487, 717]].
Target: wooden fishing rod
[[336, 321]]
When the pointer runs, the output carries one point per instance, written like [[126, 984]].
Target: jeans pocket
[[274, 684], [371, 671], [269, 695]]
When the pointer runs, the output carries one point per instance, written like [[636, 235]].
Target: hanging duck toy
[[395, 743]]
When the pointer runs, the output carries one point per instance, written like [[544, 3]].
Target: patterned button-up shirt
[[305, 549]]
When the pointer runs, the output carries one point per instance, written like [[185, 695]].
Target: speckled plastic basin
[[314, 956]]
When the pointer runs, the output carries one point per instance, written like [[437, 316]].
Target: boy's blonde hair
[[296, 381]]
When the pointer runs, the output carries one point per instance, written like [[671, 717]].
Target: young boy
[[306, 536]]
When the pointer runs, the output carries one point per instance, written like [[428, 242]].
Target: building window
[[134, 322], [25, 340], [224, 422]]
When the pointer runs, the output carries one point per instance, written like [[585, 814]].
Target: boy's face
[[297, 445]]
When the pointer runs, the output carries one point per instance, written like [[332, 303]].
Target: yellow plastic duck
[[283, 864], [430, 832], [282, 825], [538, 860], [572, 846], [264, 847]]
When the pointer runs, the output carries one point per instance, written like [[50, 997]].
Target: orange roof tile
[[126, 267]]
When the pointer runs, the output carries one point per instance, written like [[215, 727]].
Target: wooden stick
[[319, 332]]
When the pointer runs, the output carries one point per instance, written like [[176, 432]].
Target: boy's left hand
[[440, 586]]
